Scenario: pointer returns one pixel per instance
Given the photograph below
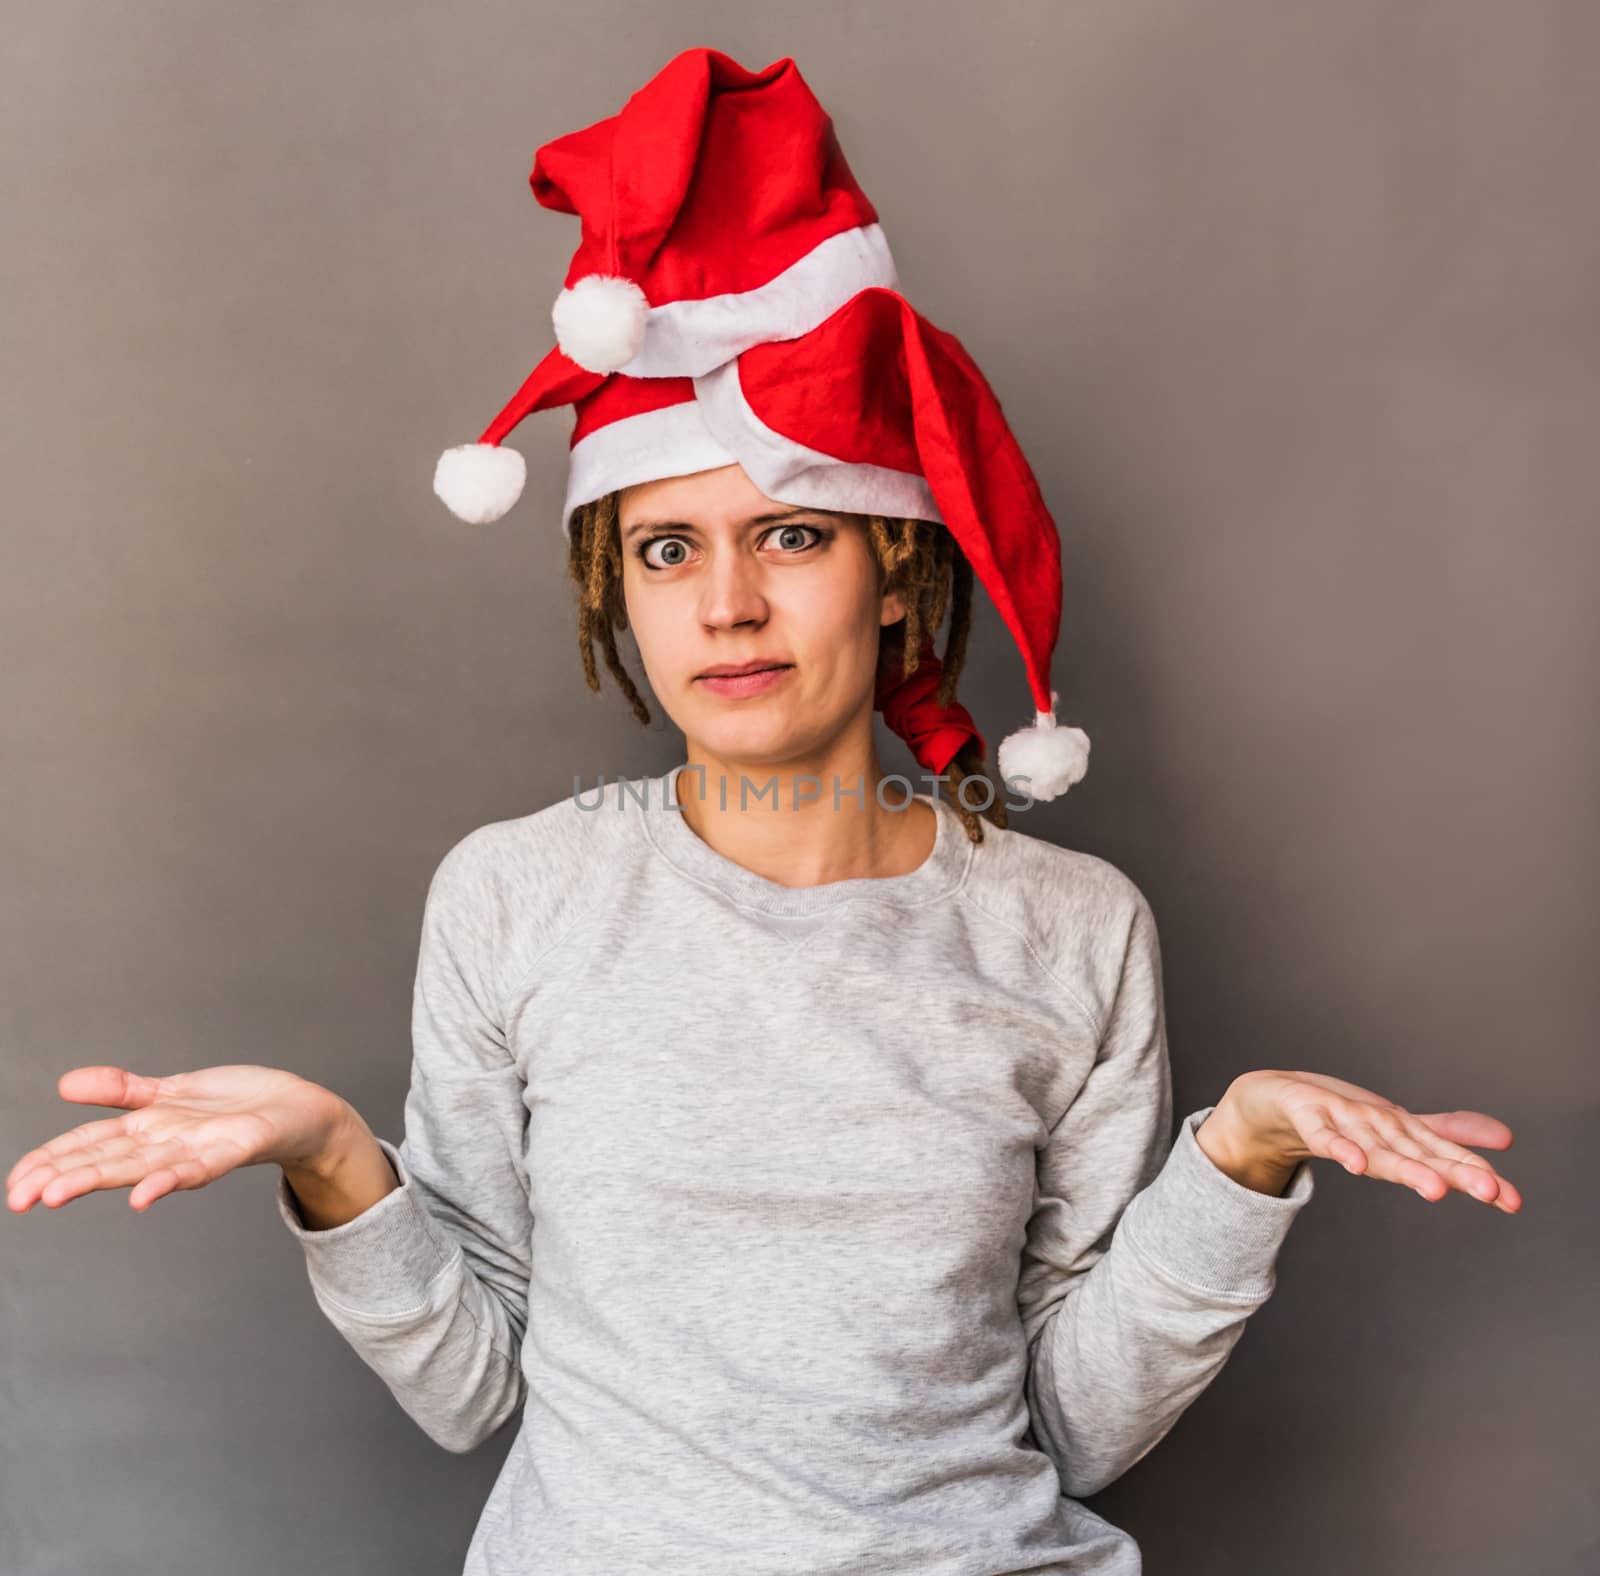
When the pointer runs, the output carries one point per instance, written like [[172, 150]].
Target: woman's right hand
[[181, 1131]]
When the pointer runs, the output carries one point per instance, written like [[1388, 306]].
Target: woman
[[795, 1152]]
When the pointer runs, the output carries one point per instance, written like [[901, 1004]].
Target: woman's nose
[[731, 592]]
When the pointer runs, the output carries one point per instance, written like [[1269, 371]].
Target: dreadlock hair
[[919, 558]]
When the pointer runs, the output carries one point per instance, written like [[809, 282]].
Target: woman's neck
[[807, 822]]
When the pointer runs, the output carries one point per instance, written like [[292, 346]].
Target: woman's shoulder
[[535, 873], [1079, 911], [1037, 875]]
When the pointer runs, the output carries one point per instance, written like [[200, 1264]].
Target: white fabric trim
[[718, 428], [686, 338], [672, 440]]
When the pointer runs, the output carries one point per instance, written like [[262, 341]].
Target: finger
[[1506, 1196], [1394, 1156], [1426, 1152], [1460, 1167], [108, 1086], [1322, 1138], [1432, 1139], [1384, 1161], [65, 1155], [91, 1175], [1476, 1128], [1470, 1176], [1476, 1179], [169, 1179], [65, 1143]]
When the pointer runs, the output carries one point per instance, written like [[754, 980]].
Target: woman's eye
[[673, 545], [784, 530]]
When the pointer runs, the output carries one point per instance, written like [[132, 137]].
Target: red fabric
[[742, 168], [620, 396], [557, 380], [933, 732], [711, 179], [878, 383]]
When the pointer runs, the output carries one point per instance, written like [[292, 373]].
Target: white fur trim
[[672, 440], [600, 321], [686, 338], [1045, 760], [718, 428], [479, 482]]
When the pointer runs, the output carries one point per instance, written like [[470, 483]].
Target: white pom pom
[[600, 321], [479, 482], [1045, 760]]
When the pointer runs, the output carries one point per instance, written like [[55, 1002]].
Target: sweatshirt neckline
[[938, 876]]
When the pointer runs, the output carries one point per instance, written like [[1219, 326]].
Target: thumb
[[108, 1086], [1473, 1129]]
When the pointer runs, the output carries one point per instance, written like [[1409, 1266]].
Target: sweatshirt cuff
[[381, 1263], [1208, 1231]]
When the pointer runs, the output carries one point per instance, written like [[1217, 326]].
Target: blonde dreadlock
[[920, 558]]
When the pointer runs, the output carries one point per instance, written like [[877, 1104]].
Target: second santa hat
[[733, 298]]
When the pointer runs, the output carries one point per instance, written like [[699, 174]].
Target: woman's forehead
[[724, 496]]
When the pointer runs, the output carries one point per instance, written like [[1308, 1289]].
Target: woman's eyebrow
[[684, 525]]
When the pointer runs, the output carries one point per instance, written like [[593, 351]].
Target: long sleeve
[[1142, 1262], [430, 1284]]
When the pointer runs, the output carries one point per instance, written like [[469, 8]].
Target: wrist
[[1239, 1151], [346, 1176], [329, 1143]]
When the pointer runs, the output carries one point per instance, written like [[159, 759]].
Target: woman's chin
[[752, 733]]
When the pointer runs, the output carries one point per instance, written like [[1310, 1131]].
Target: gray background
[[1292, 307]]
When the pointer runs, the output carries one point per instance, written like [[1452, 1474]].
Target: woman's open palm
[[181, 1131]]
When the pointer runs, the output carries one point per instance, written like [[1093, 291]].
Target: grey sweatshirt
[[822, 1229]]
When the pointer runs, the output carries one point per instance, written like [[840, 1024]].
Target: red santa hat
[[733, 299]]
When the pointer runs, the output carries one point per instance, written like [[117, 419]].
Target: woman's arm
[[1144, 1258], [429, 1281]]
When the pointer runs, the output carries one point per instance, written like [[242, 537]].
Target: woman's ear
[[894, 608]]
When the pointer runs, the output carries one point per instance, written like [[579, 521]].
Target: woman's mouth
[[740, 684]]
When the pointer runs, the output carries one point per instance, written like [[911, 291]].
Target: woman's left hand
[[1273, 1120]]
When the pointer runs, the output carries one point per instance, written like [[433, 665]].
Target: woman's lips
[[744, 683]]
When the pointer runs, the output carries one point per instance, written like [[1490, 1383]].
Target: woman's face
[[716, 573]]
